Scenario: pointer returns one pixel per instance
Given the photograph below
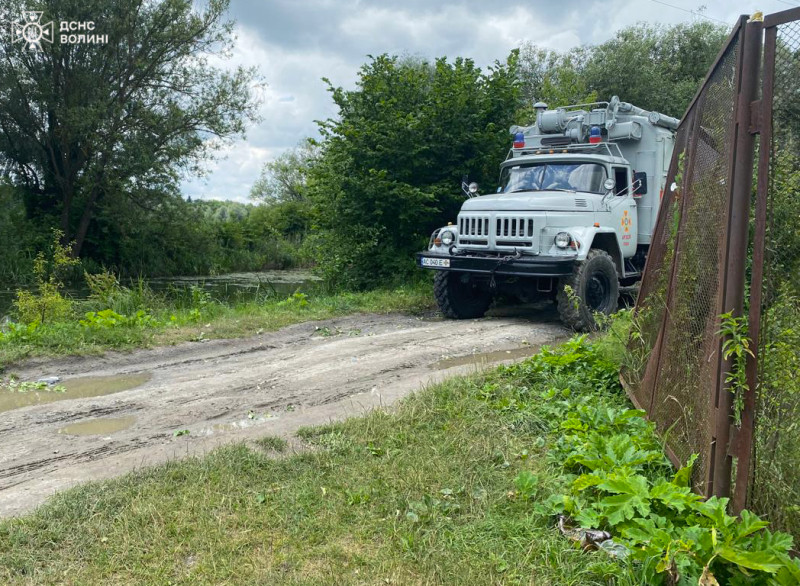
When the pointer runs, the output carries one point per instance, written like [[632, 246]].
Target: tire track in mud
[[224, 391]]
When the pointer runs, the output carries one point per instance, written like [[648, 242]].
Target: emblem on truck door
[[626, 228]]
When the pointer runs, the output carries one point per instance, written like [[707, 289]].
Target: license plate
[[435, 262]]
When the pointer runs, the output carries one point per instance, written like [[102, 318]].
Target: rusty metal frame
[[717, 461], [783, 17], [733, 288], [752, 116], [730, 284], [762, 112]]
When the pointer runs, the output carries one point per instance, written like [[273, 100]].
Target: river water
[[228, 288]]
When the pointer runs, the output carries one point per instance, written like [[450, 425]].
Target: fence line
[[689, 366]]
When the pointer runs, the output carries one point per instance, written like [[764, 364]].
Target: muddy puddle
[[76, 388], [236, 425], [101, 426], [485, 358]]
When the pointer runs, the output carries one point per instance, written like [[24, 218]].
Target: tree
[[284, 178], [654, 67], [85, 124], [392, 162], [552, 77]]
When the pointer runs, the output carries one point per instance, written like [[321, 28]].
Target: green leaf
[[620, 507], [675, 497], [684, 475], [715, 509], [635, 484], [589, 518], [526, 482], [585, 481], [789, 574], [777, 543], [639, 530], [752, 560], [749, 524]]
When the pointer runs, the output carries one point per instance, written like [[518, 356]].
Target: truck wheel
[[460, 296], [595, 288]]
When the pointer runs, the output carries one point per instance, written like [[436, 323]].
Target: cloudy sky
[[295, 43]]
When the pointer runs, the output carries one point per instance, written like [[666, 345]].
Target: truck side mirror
[[640, 183]]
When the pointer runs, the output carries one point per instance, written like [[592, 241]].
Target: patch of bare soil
[[122, 411]]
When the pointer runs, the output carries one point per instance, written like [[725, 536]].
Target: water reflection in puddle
[[76, 388], [102, 426], [485, 358], [237, 425]]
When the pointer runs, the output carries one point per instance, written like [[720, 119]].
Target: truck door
[[623, 212]]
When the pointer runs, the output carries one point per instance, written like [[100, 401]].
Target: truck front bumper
[[524, 266]]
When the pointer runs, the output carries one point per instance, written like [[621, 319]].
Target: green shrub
[[385, 179], [104, 287], [47, 303], [616, 478], [108, 318]]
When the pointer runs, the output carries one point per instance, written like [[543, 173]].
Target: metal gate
[[718, 251]]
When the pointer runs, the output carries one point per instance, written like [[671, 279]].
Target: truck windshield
[[559, 176]]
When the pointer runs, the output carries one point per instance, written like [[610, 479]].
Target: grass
[[272, 443], [422, 495], [458, 485], [199, 317]]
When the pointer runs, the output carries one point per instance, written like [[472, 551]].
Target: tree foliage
[[87, 125], [552, 77], [283, 179], [47, 303], [95, 138], [655, 67], [392, 162]]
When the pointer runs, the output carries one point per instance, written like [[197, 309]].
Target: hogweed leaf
[[753, 560]]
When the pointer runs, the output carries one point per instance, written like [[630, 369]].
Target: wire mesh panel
[[695, 274], [653, 290], [775, 478], [675, 347]]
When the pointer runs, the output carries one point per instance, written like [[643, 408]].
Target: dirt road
[[122, 411]]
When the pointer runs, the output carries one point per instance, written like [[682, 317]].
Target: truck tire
[[460, 296], [595, 287]]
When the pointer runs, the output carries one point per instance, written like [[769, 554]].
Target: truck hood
[[533, 201]]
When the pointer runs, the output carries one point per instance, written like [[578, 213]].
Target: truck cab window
[[586, 177], [621, 178]]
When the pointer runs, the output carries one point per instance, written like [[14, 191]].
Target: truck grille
[[478, 226], [514, 227], [497, 231], [473, 230]]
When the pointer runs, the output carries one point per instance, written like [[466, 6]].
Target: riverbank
[[141, 319]]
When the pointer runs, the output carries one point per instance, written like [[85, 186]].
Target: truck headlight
[[447, 237], [563, 239]]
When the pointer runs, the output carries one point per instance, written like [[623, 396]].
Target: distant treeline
[[179, 238]]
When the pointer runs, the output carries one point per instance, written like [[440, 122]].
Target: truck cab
[[571, 219]]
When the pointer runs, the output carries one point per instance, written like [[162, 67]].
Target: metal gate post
[[744, 448], [734, 269]]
